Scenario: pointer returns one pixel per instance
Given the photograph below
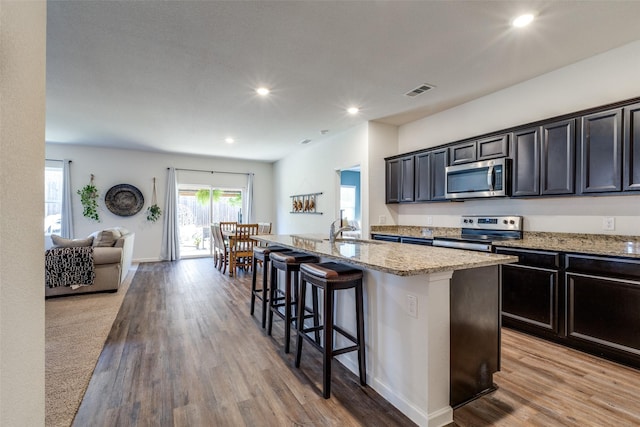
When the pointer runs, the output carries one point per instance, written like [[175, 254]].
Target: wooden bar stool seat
[[332, 277], [282, 302], [261, 253]]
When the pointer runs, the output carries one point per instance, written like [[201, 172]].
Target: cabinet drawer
[[416, 241], [541, 259], [385, 237], [604, 266]]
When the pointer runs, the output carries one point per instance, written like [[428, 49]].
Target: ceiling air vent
[[419, 90], [305, 141]]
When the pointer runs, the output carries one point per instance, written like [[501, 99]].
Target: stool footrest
[[344, 333]]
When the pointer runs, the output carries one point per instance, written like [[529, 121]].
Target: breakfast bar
[[421, 304]]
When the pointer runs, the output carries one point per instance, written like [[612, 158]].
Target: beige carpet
[[76, 329]]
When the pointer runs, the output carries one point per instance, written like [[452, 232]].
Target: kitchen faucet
[[333, 232]]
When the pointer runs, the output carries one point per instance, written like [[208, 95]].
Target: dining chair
[[264, 228], [227, 226], [241, 247], [220, 251]]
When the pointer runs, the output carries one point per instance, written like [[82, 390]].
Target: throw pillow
[[61, 242], [105, 238]]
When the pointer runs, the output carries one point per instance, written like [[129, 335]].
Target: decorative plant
[[153, 211], [89, 199], [196, 241]]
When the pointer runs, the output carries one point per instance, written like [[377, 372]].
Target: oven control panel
[[492, 222]]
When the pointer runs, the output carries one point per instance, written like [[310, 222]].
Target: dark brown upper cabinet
[[558, 161], [393, 181], [631, 174], [422, 190], [462, 153], [399, 180], [601, 152], [526, 162], [493, 147], [439, 161], [406, 184], [430, 175]]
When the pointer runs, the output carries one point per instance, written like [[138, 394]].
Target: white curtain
[[170, 237], [66, 225], [250, 218]]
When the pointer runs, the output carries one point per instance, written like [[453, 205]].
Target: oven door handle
[[490, 178]]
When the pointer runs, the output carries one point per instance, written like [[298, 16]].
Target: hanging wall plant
[[89, 199], [153, 211]]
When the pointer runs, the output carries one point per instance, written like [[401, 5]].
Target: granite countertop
[[592, 244], [393, 258]]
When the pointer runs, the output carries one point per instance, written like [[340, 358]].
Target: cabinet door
[[422, 173], [393, 181], [603, 314], [493, 147], [462, 153], [631, 156], [439, 162], [557, 167], [601, 152], [530, 297], [406, 180], [526, 162]]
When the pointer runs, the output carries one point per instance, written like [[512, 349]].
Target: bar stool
[[289, 262], [331, 277], [261, 253]]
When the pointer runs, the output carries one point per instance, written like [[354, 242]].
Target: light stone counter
[[408, 350], [592, 244], [392, 258]]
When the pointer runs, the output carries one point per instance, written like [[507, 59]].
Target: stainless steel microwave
[[488, 178]]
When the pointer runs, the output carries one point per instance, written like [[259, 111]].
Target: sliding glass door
[[198, 207]]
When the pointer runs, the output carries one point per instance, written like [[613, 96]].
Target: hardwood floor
[[184, 351]]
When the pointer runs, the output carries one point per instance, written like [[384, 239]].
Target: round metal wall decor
[[124, 200]]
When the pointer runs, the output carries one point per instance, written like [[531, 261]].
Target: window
[[53, 190], [198, 207]]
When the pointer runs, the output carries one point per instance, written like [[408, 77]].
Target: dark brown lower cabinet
[[590, 303], [603, 307], [531, 291]]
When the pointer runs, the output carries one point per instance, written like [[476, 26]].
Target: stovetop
[[486, 229]]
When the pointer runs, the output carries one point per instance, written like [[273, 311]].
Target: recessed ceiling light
[[229, 140], [353, 110], [522, 20], [263, 91]]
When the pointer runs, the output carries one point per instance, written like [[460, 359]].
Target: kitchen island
[[421, 304]]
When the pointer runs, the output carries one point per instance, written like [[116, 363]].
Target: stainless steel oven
[[480, 233], [490, 178]]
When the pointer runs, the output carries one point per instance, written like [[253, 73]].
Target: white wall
[[22, 115], [313, 170], [111, 167], [606, 78]]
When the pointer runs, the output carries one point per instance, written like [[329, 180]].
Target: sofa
[[112, 252]]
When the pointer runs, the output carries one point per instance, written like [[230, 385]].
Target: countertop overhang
[[392, 258]]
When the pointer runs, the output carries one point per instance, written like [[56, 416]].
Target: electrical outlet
[[429, 220], [608, 223], [412, 305], [382, 219]]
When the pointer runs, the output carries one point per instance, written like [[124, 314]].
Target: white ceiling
[[179, 76]]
